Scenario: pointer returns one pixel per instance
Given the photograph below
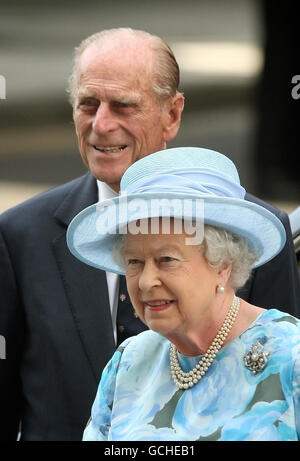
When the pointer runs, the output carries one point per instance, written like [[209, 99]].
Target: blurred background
[[237, 60]]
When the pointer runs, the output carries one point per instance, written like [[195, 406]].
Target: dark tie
[[128, 324]]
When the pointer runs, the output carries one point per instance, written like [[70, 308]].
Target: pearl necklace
[[186, 380]]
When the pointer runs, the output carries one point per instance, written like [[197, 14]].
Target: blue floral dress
[[138, 400]]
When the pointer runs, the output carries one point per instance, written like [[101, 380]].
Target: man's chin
[[112, 180], [109, 167]]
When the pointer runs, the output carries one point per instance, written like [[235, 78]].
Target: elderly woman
[[211, 366]]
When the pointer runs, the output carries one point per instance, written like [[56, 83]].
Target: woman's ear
[[223, 274], [174, 108]]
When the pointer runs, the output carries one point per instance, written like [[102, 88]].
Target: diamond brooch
[[256, 359]]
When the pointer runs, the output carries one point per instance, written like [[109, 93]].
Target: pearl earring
[[220, 289]]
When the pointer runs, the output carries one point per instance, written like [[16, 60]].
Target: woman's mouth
[[157, 305]]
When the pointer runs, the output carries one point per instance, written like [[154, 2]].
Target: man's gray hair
[[166, 70]]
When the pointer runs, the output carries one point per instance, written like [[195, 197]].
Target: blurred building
[[220, 50]]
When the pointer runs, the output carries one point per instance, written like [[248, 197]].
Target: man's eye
[[89, 102], [121, 105]]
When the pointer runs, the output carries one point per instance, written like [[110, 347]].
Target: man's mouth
[[110, 149]]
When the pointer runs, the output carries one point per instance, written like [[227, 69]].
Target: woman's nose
[[149, 277]]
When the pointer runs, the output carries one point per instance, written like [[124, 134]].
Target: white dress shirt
[[105, 192]]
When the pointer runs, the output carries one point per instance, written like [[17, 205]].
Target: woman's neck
[[197, 341]]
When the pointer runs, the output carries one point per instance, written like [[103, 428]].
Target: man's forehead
[[109, 92], [111, 77], [116, 53], [114, 71]]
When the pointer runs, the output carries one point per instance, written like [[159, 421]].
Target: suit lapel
[[85, 287], [246, 291]]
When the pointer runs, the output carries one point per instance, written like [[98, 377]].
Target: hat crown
[[176, 181], [187, 158]]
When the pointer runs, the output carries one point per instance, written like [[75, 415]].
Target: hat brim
[[261, 229]]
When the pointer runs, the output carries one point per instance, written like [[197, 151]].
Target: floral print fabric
[[138, 400]]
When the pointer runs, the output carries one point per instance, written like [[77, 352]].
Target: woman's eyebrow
[[161, 249]]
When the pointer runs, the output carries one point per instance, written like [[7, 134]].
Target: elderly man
[[60, 318]]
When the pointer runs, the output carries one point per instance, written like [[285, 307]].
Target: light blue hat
[[187, 183]]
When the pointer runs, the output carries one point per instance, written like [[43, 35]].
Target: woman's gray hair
[[220, 247], [166, 70]]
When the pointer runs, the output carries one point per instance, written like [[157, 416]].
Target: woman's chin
[[162, 326]]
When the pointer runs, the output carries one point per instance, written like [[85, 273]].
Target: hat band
[[200, 181]]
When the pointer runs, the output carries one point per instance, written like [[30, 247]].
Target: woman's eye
[[166, 259], [132, 261]]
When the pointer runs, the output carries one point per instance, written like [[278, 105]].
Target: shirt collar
[[104, 191]]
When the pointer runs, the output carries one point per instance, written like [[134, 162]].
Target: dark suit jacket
[[55, 315]]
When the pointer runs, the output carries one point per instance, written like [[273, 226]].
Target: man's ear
[[174, 108]]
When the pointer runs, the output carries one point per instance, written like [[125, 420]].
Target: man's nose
[[149, 277], [105, 120]]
